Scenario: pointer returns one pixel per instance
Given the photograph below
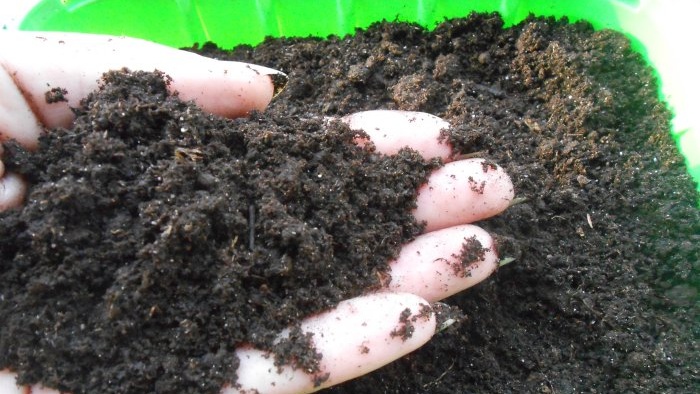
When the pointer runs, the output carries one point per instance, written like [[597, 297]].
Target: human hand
[[356, 337], [70, 66]]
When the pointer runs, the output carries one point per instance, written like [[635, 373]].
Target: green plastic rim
[[663, 31]]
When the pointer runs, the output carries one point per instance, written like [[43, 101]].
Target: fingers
[[440, 263], [392, 130], [451, 256], [7, 384], [16, 121], [462, 192], [38, 61], [360, 335], [16, 117]]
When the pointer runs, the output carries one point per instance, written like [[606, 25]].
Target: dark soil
[[135, 261]]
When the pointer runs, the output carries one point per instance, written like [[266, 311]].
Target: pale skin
[[354, 338]]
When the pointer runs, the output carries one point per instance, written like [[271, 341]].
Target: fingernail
[[278, 78]]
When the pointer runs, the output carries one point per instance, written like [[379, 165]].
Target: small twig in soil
[[471, 155], [517, 200], [439, 378]]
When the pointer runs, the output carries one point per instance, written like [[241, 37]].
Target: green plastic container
[[664, 31]]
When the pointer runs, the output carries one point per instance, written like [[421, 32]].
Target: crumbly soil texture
[[155, 237]]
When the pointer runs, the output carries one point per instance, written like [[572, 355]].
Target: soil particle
[[405, 327], [447, 316], [134, 261], [56, 95], [472, 251], [298, 351]]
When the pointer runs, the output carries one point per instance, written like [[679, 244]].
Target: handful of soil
[[156, 238]]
